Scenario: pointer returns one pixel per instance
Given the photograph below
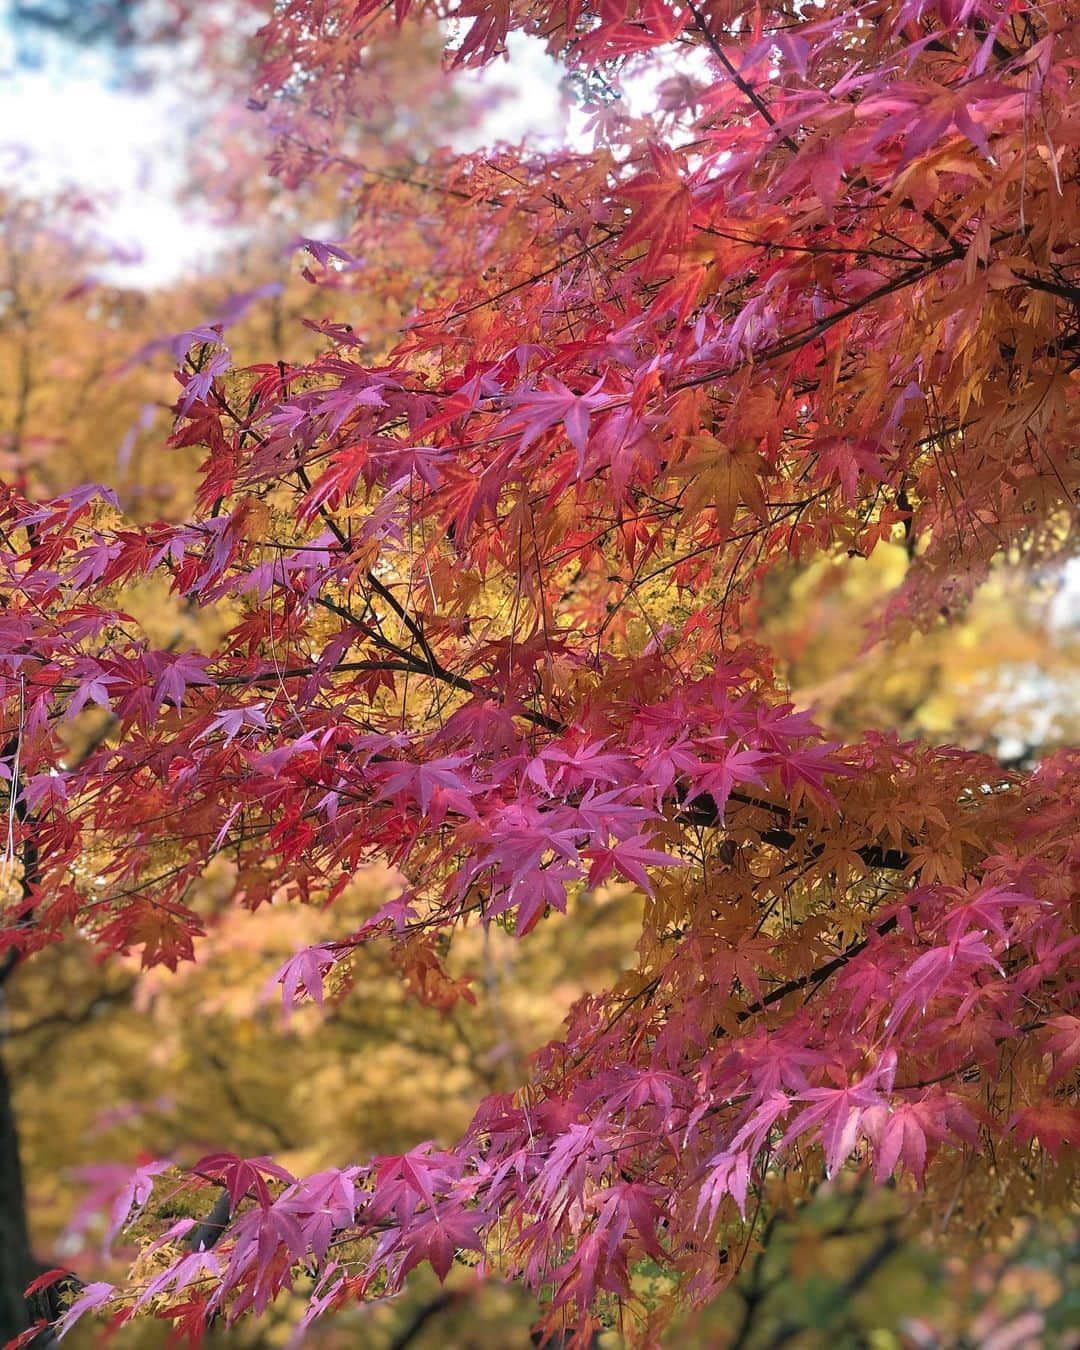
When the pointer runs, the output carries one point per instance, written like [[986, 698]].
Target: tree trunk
[[17, 1265]]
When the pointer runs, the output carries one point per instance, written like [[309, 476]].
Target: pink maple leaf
[[630, 857], [538, 410]]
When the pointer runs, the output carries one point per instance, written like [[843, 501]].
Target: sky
[[68, 121]]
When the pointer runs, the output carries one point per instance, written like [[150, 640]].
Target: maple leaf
[[487, 32], [1052, 1123], [1064, 1044], [984, 908], [810, 764], [132, 1199], [197, 384], [534, 894], [586, 1270], [723, 478], [844, 460], [229, 722], [165, 933], [436, 1241], [839, 1113], [304, 972], [934, 974], [718, 776], [654, 1085], [31, 1334], [630, 857], [663, 203], [188, 669], [900, 1136], [324, 254], [576, 765], [728, 1174], [242, 1176], [46, 1280], [438, 781], [537, 411], [405, 1179], [94, 1296]]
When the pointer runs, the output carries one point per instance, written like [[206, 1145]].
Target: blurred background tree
[[1004, 680]]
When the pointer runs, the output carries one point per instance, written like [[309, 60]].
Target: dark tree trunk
[[17, 1265]]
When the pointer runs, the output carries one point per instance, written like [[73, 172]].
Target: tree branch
[[820, 974], [423, 1315], [205, 1234]]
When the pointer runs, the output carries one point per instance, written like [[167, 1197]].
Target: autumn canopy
[[487, 575]]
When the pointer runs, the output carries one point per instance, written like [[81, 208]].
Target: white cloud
[[64, 127]]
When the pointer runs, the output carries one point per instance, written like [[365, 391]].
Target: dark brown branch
[[815, 330], [64, 1017], [819, 975], [408, 620], [703, 810], [206, 1233], [863, 1272], [28, 853], [423, 1315], [742, 85], [17, 1264], [1062, 289]]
